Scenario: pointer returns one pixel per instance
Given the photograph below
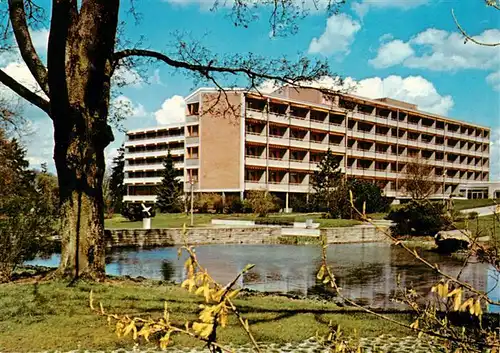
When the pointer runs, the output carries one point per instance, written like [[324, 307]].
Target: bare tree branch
[[17, 16], [24, 92], [468, 37], [284, 72]]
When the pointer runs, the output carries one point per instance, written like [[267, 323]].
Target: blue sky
[[407, 50]]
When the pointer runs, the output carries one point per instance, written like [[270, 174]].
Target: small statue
[[146, 211]]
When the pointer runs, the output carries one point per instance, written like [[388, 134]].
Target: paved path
[[382, 344], [482, 211]]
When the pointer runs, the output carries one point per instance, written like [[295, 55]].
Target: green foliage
[[170, 191], [326, 182], [234, 204], [276, 221], [46, 184], [299, 203], [261, 202], [27, 216], [206, 202], [117, 188], [368, 194], [419, 219]]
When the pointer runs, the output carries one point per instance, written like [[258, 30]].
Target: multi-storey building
[[250, 141]]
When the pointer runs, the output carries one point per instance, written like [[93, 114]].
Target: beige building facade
[[239, 141]]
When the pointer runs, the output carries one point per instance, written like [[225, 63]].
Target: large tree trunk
[[80, 167], [80, 56]]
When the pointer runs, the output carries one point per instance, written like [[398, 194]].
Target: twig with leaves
[[214, 312]]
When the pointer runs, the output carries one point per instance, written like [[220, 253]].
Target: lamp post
[[191, 183]]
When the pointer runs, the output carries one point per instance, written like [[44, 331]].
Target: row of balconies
[[154, 154], [324, 145], [307, 123], [155, 141]]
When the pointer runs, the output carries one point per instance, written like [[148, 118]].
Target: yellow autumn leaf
[[206, 293], [477, 308], [203, 330], [321, 273], [199, 290], [414, 325], [130, 327], [466, 304], [165, 340], [233, 294], [457, 301]]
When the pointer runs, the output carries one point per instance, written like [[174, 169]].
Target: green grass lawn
[[177, 220], [483, 226], [466, 204], [51, 316]]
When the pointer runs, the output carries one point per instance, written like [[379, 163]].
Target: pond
[[366, 272]]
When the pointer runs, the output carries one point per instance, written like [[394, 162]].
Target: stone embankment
[[234, 235]]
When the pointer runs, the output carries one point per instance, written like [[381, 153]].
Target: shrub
[[299, 203], [233, 205], [419, 218], [25, 228], [261, 202], [369, 193], [275, 221], [209, 202], [472, 215]]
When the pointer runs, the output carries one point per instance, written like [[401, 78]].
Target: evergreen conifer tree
[[116, 187], [327, 182], [170, 191]]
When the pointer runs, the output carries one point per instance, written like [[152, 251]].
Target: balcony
[[320, 146], [149, 180], [278, 163], [162, 153], [151, 166], [256, 161], [299, 143], [155, 141], [139, 198], [301, 165], [298, 121], [279, 140], [255, 114], [255, 137], [192, 119], [255, 185], [192, 162], [192, 141]]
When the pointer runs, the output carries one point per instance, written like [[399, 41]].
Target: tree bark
[[80, 168], [81, 46]]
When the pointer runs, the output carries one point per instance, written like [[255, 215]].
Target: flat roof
[[372, 101], [157, 128]]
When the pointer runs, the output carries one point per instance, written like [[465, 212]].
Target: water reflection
[[366, 272]]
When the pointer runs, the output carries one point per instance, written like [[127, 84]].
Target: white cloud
[[392, 53], [337, 37], [439, 50], [124, 106], [40, 39], [172, 110], [362, 7], [40, 143], [494, 80], [411, 89], [124, 76]]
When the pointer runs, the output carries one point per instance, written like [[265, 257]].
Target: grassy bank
[[483, 226], [51, 316], [177, 220], [466, 204]]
